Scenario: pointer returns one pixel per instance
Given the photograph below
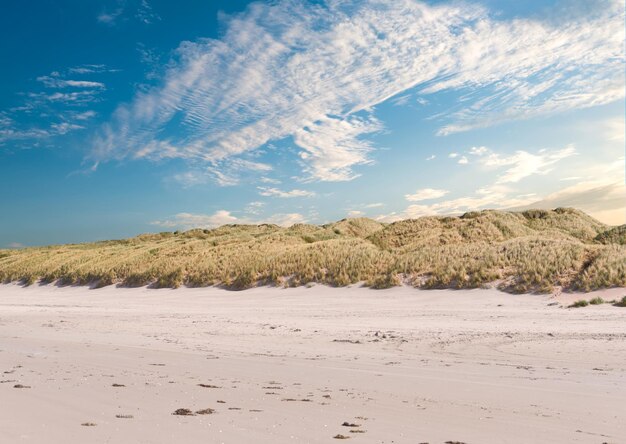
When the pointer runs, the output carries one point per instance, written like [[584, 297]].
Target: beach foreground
[[294, 365]]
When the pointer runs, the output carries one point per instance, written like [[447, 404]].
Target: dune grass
[[530, 251]]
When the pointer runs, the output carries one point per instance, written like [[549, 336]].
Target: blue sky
[[123, 117]]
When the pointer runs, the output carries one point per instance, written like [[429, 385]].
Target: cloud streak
[[314, 74], [425, 194], [275, 192]]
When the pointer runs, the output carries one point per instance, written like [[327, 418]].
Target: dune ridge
[[529, 251]]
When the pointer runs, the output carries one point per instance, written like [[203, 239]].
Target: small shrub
[[170, 280], [244, 280], [137, 280], [621, 303], [596, 301], [580, 303], [383, 281]]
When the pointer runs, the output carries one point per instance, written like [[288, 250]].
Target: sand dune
[[307, 365]]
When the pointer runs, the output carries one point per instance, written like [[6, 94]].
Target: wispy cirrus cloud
[[56, 82], [91, 69], [275, 192], [315, 72], [57, 105], [146, 14], [143, 12]]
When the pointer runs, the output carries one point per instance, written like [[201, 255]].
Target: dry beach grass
[[530, 251]]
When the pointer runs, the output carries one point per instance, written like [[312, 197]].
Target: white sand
[[474, 366]]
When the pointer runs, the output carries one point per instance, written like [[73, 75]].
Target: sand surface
[[278, 366]]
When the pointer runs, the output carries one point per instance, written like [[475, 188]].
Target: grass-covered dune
[[526, 251]]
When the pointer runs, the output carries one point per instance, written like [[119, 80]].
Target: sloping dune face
[[534, 250]]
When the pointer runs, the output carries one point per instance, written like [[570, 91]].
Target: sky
[[122, 117]]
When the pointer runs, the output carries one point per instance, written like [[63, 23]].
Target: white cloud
[[56, 82], [431, 157], [187, 221], [523, 164], [316, 72], [73, 97], [463, 160], [16, 245], [86, 115], [331, 147], [223, 173], [425, 194], [453, 155], [374, 205], [65, 127], [355, 213], [478, 150], [88, 69], [275, 192]]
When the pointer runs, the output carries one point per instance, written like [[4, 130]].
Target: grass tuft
[[621, 303]]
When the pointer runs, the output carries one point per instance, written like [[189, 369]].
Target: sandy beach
[[316, 364]]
